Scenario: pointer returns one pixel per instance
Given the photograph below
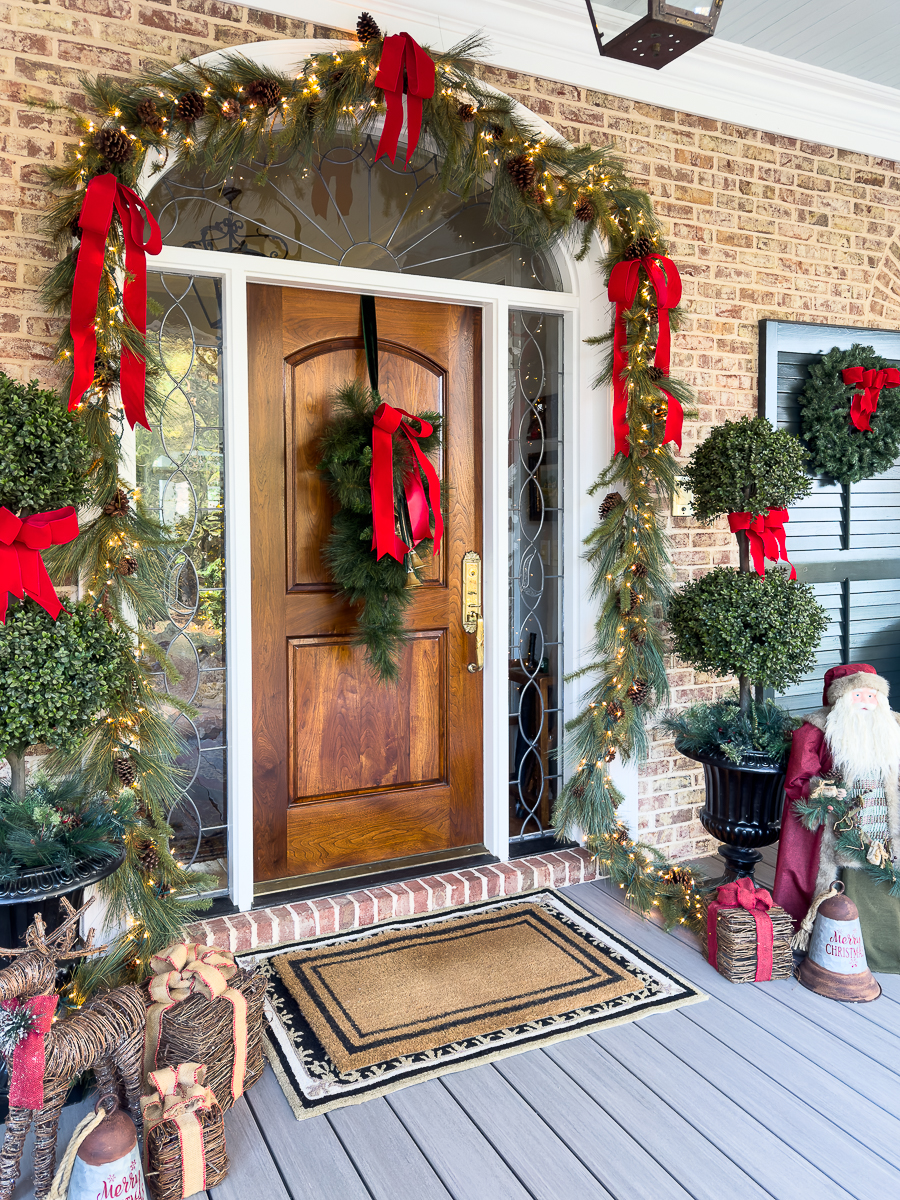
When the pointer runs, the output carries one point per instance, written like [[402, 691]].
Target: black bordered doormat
[[368, 1011]]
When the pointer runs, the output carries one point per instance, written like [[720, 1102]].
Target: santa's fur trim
[[853, 683]]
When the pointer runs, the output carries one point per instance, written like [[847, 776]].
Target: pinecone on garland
[[656, 373], [231, 109], [148, 857], [680, 877], [640, 247], [610, 754], [639, 570], [615, 710], [128, 565], [610, 501], [126, 771], [638, 636], [466, 112], [639, 691], [496, 132], [367, 28], [190, 107], [113, 145], [265, 93], [584, 210], [106, 376], [148, 115], [119, 505], [522, 172]]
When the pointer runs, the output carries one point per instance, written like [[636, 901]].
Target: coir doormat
[[368, 1011]]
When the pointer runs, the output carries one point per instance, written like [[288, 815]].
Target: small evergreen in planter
[[763, 734]]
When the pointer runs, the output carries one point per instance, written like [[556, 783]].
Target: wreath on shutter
[[832, 411]]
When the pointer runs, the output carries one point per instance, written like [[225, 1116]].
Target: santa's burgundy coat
[[798, 848]]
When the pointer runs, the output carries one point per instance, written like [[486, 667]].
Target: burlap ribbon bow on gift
[[181, 1097], [188, 969]]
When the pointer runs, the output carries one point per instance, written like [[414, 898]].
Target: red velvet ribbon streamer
[[742, 894], [387, 422], [864, 403], [623, 286], [29, 1060], [405, 67], [766, 536], [104, 192], [22, 569]]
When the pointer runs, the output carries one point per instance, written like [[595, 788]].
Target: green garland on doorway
[[542, 190]]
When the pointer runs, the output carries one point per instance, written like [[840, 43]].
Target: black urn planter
[[40, 890], [743, 808]]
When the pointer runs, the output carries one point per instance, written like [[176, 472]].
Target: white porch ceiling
[[853, 37]]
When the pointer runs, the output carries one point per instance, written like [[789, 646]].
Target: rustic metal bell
[[108, 1163], [836, 964]]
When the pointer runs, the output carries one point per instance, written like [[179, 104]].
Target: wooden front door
[[348, 771]]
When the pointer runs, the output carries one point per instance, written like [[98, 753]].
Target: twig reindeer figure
[[107, 1035]]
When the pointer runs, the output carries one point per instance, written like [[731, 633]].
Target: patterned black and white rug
[[368, 1011]]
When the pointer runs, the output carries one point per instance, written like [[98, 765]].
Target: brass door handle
[[472, 619]]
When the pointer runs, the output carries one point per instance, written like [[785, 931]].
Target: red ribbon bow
[[22, 569], [864, 403], [623, 286], [29, 1060], [404, 67], [766, 536], [381, 479], [743, 894], [104, 192]]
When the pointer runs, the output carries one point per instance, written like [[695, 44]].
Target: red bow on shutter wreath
[[623, 286], [385, 541], [104, 192], [22, 569], [29, 1060], [766, 536], [742, 894], [404, 67], [864, 403]]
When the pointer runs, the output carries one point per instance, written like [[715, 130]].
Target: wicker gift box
[[200, 1030], [736, 935], [168, 1143]]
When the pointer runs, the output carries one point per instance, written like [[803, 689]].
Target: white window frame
[[587, 447]]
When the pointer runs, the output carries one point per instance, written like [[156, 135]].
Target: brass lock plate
[[471, 590]]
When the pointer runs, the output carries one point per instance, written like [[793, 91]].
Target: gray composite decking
[[763, 1090]]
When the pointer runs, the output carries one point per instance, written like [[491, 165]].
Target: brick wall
[[760, 225]]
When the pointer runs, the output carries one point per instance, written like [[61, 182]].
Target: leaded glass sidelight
[[347, 210], [535, 570], [180, 470]]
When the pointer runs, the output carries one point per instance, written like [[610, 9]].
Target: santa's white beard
[[864, 744]]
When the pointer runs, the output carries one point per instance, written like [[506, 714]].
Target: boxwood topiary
[[56, 677], [46, 454], [764, 628], [746, 466]]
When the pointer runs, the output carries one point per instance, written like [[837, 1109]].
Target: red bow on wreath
[[766, 536], [864, 402], [742, 894], [388, 421], [22, 569], [404, 67], [623, 286], [104, 192]]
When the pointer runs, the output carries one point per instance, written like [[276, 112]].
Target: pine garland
[[251, 113], [378, 585]]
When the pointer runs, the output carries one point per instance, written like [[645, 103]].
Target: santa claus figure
[[851, 746]]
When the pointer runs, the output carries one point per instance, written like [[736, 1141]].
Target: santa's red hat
[[850, 677]]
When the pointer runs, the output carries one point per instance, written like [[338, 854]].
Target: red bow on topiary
[[22, 569], [766, 536]]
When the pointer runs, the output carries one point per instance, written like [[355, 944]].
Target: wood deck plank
[[528, 1144], [458, 1152], [386, 1158], [849, 1163], [308, 1154], [724, 1123], [250, 1160], [666, 1134], [602, 1144]]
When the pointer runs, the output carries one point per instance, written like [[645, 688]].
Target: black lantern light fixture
[[666, 33]]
